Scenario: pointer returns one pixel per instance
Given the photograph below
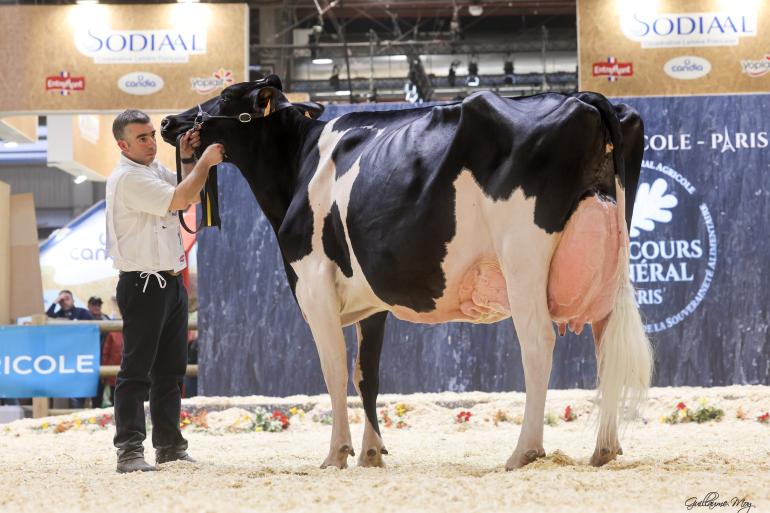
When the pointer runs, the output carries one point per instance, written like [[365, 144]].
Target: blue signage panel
[[49, 361]]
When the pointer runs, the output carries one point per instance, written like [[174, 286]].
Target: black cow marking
[[372, 333], [350, 148], [335, 246]]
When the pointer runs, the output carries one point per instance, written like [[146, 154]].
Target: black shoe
[[167, 456], [134, 465]]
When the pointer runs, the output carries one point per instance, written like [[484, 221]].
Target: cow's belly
[[583, 272], [475, 289]]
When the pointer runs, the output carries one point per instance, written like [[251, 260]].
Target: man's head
[[65, 300], [95, 306], [135, 136]]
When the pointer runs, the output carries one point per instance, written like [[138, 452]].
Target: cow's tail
[[624, 353]]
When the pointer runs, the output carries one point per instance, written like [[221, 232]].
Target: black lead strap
[[209, 196]]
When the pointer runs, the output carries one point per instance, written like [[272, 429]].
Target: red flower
[[283, 418], [681, 406], [568, 415], [463, 416], [764, 418]]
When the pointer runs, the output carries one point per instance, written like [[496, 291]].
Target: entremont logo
[[218, 80], [64, 83], [756, 68], [672, 263], [612, 69]]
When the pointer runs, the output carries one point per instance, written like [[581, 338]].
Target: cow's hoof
[[339, 458], [604, 455], [372, 457], [520, 459]]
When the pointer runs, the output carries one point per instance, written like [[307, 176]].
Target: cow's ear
[[269, 99], [310, 109]]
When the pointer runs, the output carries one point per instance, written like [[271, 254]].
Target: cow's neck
[[274, 174]]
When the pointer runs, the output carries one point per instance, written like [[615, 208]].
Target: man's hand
[[213, 155], [190, 140]]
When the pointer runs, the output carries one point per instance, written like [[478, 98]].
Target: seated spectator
[[95, 309], [67, 309]]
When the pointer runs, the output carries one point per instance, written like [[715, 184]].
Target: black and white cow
[[473, 211]]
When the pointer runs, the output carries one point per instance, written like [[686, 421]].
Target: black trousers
[[154, 362]]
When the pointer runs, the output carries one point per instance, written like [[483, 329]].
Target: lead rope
[[178, 180]]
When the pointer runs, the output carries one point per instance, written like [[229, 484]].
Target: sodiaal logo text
[[140, 83], [687, 67]]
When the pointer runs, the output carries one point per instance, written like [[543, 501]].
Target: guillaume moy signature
[[711, 500]]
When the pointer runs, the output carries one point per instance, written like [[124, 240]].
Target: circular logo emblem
[[673, 247], [140, 83], [687, 67]]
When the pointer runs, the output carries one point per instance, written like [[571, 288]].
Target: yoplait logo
[[218, 80]]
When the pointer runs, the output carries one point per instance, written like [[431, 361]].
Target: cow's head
[[236, 117]]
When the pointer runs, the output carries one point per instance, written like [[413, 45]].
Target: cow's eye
[[225, 99]]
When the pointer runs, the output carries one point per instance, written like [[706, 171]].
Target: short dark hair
[[66, 291], [127, 117], [94, 300]]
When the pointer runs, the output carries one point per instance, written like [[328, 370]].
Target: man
[[145, 243], [95, 309], [67, 308]]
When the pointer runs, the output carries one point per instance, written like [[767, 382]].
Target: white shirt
[[142, 235]]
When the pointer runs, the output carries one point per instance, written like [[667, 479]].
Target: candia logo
[[687, 67], [140, 83], [673, 247]]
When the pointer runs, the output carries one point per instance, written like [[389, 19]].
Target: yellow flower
[[77, 422], [258, 429], [92, 420], [44, 425], [702, 401]]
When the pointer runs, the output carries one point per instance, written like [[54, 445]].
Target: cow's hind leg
[[366, 378], [537, 339]]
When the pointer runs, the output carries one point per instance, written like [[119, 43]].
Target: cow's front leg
[[366, 379], [537, 339], [319, 305]]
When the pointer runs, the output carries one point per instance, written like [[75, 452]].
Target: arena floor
[[435, 464]]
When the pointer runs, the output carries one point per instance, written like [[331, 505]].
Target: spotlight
[[80, 179], [475, 8], [322, 61]]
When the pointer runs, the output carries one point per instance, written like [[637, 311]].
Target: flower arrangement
[[463, 417], [270, 422], [323, 417], [568, 415], [550, 419], [90, 423], [703, 413], [400, 422], [500, 416], [197, 420]]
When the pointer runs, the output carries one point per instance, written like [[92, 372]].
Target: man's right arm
[[186, 191]]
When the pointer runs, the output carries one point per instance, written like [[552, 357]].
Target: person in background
[[95, 309], [67, 309]]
